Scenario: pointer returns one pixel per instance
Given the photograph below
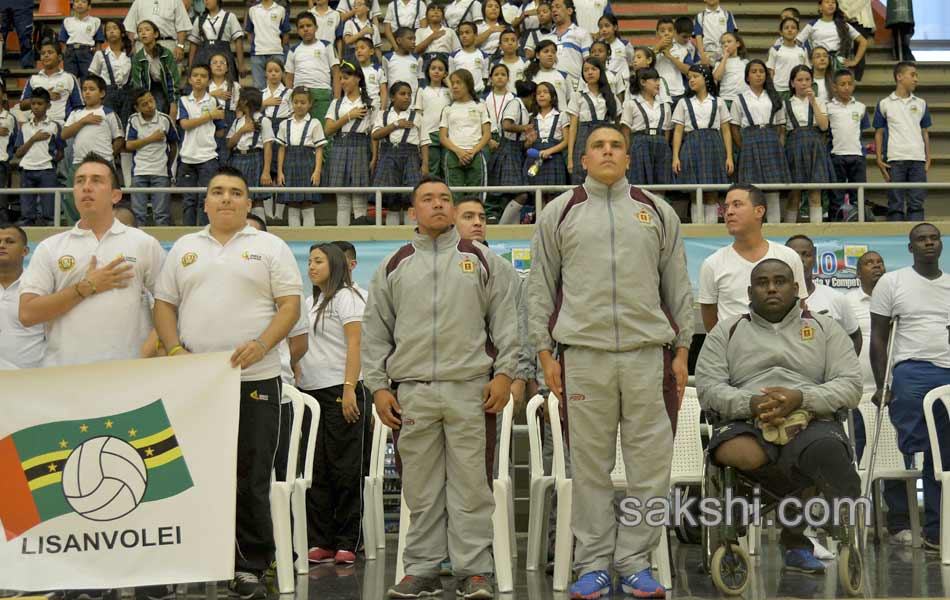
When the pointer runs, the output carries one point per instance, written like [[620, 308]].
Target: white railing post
[[538, 204], [57, 208], [861, 206], [379, 208], [700, 211]]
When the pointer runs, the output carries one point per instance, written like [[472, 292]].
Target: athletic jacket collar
[[601, 190], [793, 316], [447, 240]]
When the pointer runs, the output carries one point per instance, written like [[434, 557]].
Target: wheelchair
[[729, 564]]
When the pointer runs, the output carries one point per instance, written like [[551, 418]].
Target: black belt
[[248, 151], [79, 46], [653, 131], [344, 134]]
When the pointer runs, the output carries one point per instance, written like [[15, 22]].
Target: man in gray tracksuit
[[607, 260], [757, 369], [441, 324]]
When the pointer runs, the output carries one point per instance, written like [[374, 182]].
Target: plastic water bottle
[[538, 159]]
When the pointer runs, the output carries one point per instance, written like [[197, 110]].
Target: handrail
[[538, 191]]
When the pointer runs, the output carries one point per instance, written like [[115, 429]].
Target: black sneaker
[[476, 586], [247, 586], [154, 592], [413, 586]]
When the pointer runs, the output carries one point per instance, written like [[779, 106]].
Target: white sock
[[511, 215], [814, 214], [259, 211], [293, 217], [773, 208], [791, 216], [269, 208], [309, 217], [279, 211], [695, 215], [392, 217], [344, 202], [711, 214], [359, 206]]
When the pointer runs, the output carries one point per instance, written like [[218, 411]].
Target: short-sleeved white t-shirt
[[324, 364], [860, 304], [828, 301], [464, 122], [725, 276], [923, 306]]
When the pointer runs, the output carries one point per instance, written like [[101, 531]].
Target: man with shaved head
[[773, 366]]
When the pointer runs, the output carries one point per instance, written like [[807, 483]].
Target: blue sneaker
[[591, 585], [642, 585], [803, 561]]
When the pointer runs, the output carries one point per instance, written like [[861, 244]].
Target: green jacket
[[170, 78]]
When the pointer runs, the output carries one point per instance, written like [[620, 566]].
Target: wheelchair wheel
[[851, 570], [710, 535], [731, 569]]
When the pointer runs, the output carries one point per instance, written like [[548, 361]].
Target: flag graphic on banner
[[101, 468]]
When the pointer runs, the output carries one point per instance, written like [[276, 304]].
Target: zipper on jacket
[[435, 298], [613, 271]]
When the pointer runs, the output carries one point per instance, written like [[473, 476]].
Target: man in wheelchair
[[774, 379]]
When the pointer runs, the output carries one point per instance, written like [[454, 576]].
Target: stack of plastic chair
[[563, 536], [281, 491], [502, 517], [540, 491], [888, 463], [302, 483], [374, 525], [942, 476]]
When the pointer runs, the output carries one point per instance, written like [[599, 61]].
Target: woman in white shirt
[[330, 372]]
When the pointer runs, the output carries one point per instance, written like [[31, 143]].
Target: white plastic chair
[[540, 491], [374, 526], [942, 394], [563, 536], [302, 483], [502, 516], [888, 463], [281, 491]]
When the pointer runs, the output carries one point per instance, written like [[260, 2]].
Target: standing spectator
[[589, 13], [573, 42], [430, 100], [709, 26], [847, 118], [63, 88], [18, 15], [22, 346], [213, 32], [401, 64], [900, 20], [461, 11], [201, 117], [902, 137], [469, 57], [675, 53], [79, 36], [313, 64], [860, 15], [403, 13], [436, 39], [831, 32], [300, 143], [330, 372], [268, 27], [152, 138], [648, 120], [786, 55], [39, 146], [8, 135], [170, 17], [805, 147], [114, 66], [154, 69]]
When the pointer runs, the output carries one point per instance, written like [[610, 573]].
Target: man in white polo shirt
[[230, 287], [171, 18], [19, 345], [724, 276], [88, 285], [821, 298]]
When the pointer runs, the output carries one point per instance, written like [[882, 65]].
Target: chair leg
[[512, 538], [283, 538], [540, 502], [404, 518], [369, 519], [945, 518], [913, 510], [564, 537], [298, 503], [501, 537], [380, 515]]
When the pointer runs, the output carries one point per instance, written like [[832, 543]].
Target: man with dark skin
[[755, 370], [919, 296], [821, 298]]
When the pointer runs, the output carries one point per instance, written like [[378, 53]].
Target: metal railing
[[537, 191]]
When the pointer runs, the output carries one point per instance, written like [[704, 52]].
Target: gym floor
[[890, 572]]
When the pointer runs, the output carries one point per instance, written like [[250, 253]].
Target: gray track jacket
[[810, 353], [604, 261], [440, 310]]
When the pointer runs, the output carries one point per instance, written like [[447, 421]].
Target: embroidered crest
[[644, 217], [188, 259], [468, 266], [807, 333], [66, 263]]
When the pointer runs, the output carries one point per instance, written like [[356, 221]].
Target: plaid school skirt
[[651, 160], [398, 165], [119, 99], [807, 155], [763, 159], [507, 164], [703, 158], [584, 130], [349, 162], [299, 162], [553, 169], [251, 165]]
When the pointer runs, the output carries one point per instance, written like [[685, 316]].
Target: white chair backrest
[[554, 414], [688, 457], [296, 424], [534, 437], [314, 407], [378, 449], [504, 447], [941, 394], [889, 457]]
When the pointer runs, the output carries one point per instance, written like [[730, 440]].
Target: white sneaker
[[903, 537], [820, 552]]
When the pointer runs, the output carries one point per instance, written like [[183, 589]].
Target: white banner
[[118, 474]]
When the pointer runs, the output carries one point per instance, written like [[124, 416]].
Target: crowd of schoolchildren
[[474, 91]]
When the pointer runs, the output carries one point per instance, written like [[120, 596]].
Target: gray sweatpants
[[442, 449], [602, 390]]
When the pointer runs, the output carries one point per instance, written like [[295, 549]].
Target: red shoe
[[344, 557], [319, 555]]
